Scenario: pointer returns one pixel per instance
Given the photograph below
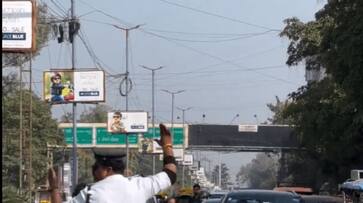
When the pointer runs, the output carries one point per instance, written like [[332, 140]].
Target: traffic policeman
[[112, 187]]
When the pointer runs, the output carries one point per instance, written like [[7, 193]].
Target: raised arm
[[53, 187], [169, 160]]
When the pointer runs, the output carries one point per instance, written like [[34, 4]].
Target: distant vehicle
[[212, 201], [298, 190], [217, 195], [321, 199], [353, 188], [261, 196]]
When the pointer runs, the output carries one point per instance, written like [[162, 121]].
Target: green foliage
[[261, 173], [278, 109], [328, 115], [225, 177], [44, 130], [97, 114]]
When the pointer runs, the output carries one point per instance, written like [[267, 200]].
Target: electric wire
[[215, 57], [214, 41], [219, 16]]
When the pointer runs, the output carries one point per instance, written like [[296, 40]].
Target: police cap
[[110, 158]]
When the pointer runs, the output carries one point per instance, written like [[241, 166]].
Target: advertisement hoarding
[[68, 86], [18, 26], [127, 122], [149, 146], [188, 160]]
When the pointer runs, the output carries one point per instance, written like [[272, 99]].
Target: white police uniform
[[119, 189]]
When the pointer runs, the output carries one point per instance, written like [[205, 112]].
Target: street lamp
[[127, 59], [172, 106], [153, 103], [127, 83], [183, 110], [236, 116]]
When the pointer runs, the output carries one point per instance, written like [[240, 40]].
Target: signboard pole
[[74, 111]]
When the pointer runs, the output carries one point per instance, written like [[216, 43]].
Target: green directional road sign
[[178, 135], [84, 135], [104, 137]]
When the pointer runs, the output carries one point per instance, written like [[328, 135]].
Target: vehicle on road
[[321, 199], [261, 196]]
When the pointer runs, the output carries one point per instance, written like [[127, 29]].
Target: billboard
[[68, 86], [149, 146], [188, 160], [127, 122], [18, 26]]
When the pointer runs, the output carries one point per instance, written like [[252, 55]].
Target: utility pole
[[74, 107], [153, 103], [183, 110], [172, 107], [127, 85], [220, 171]]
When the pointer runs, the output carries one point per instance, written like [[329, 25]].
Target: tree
[[97, 114], [44, 130], [278, 109], [225, 177], [328, 115], [261, 173]]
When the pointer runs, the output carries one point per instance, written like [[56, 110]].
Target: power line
[[215, 41], [92, 53], [214, 57], [205, 34], [104, 13], [219, 16]]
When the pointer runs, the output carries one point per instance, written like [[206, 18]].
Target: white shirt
[[120, 189]]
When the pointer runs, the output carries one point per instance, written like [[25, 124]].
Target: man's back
[[117, 188]]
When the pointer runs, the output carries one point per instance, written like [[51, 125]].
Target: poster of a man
[[115, 124]]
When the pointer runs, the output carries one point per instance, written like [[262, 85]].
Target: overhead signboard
[[18, 26], [91, 135], [177, 132], [68, 86], [127, 122], [230, 138], [247, 128]]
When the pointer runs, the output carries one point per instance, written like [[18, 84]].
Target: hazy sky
[[227, 55]]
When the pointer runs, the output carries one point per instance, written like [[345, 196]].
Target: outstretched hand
[[52, 178], [165, 136]]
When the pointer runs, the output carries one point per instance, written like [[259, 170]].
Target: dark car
[[321, 199], [212, 201], [261, 196]]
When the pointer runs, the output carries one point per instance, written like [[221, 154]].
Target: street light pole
[[183, 110], [172, 107], [153, 104], [127, 86], [127, 60], [236, 116]]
